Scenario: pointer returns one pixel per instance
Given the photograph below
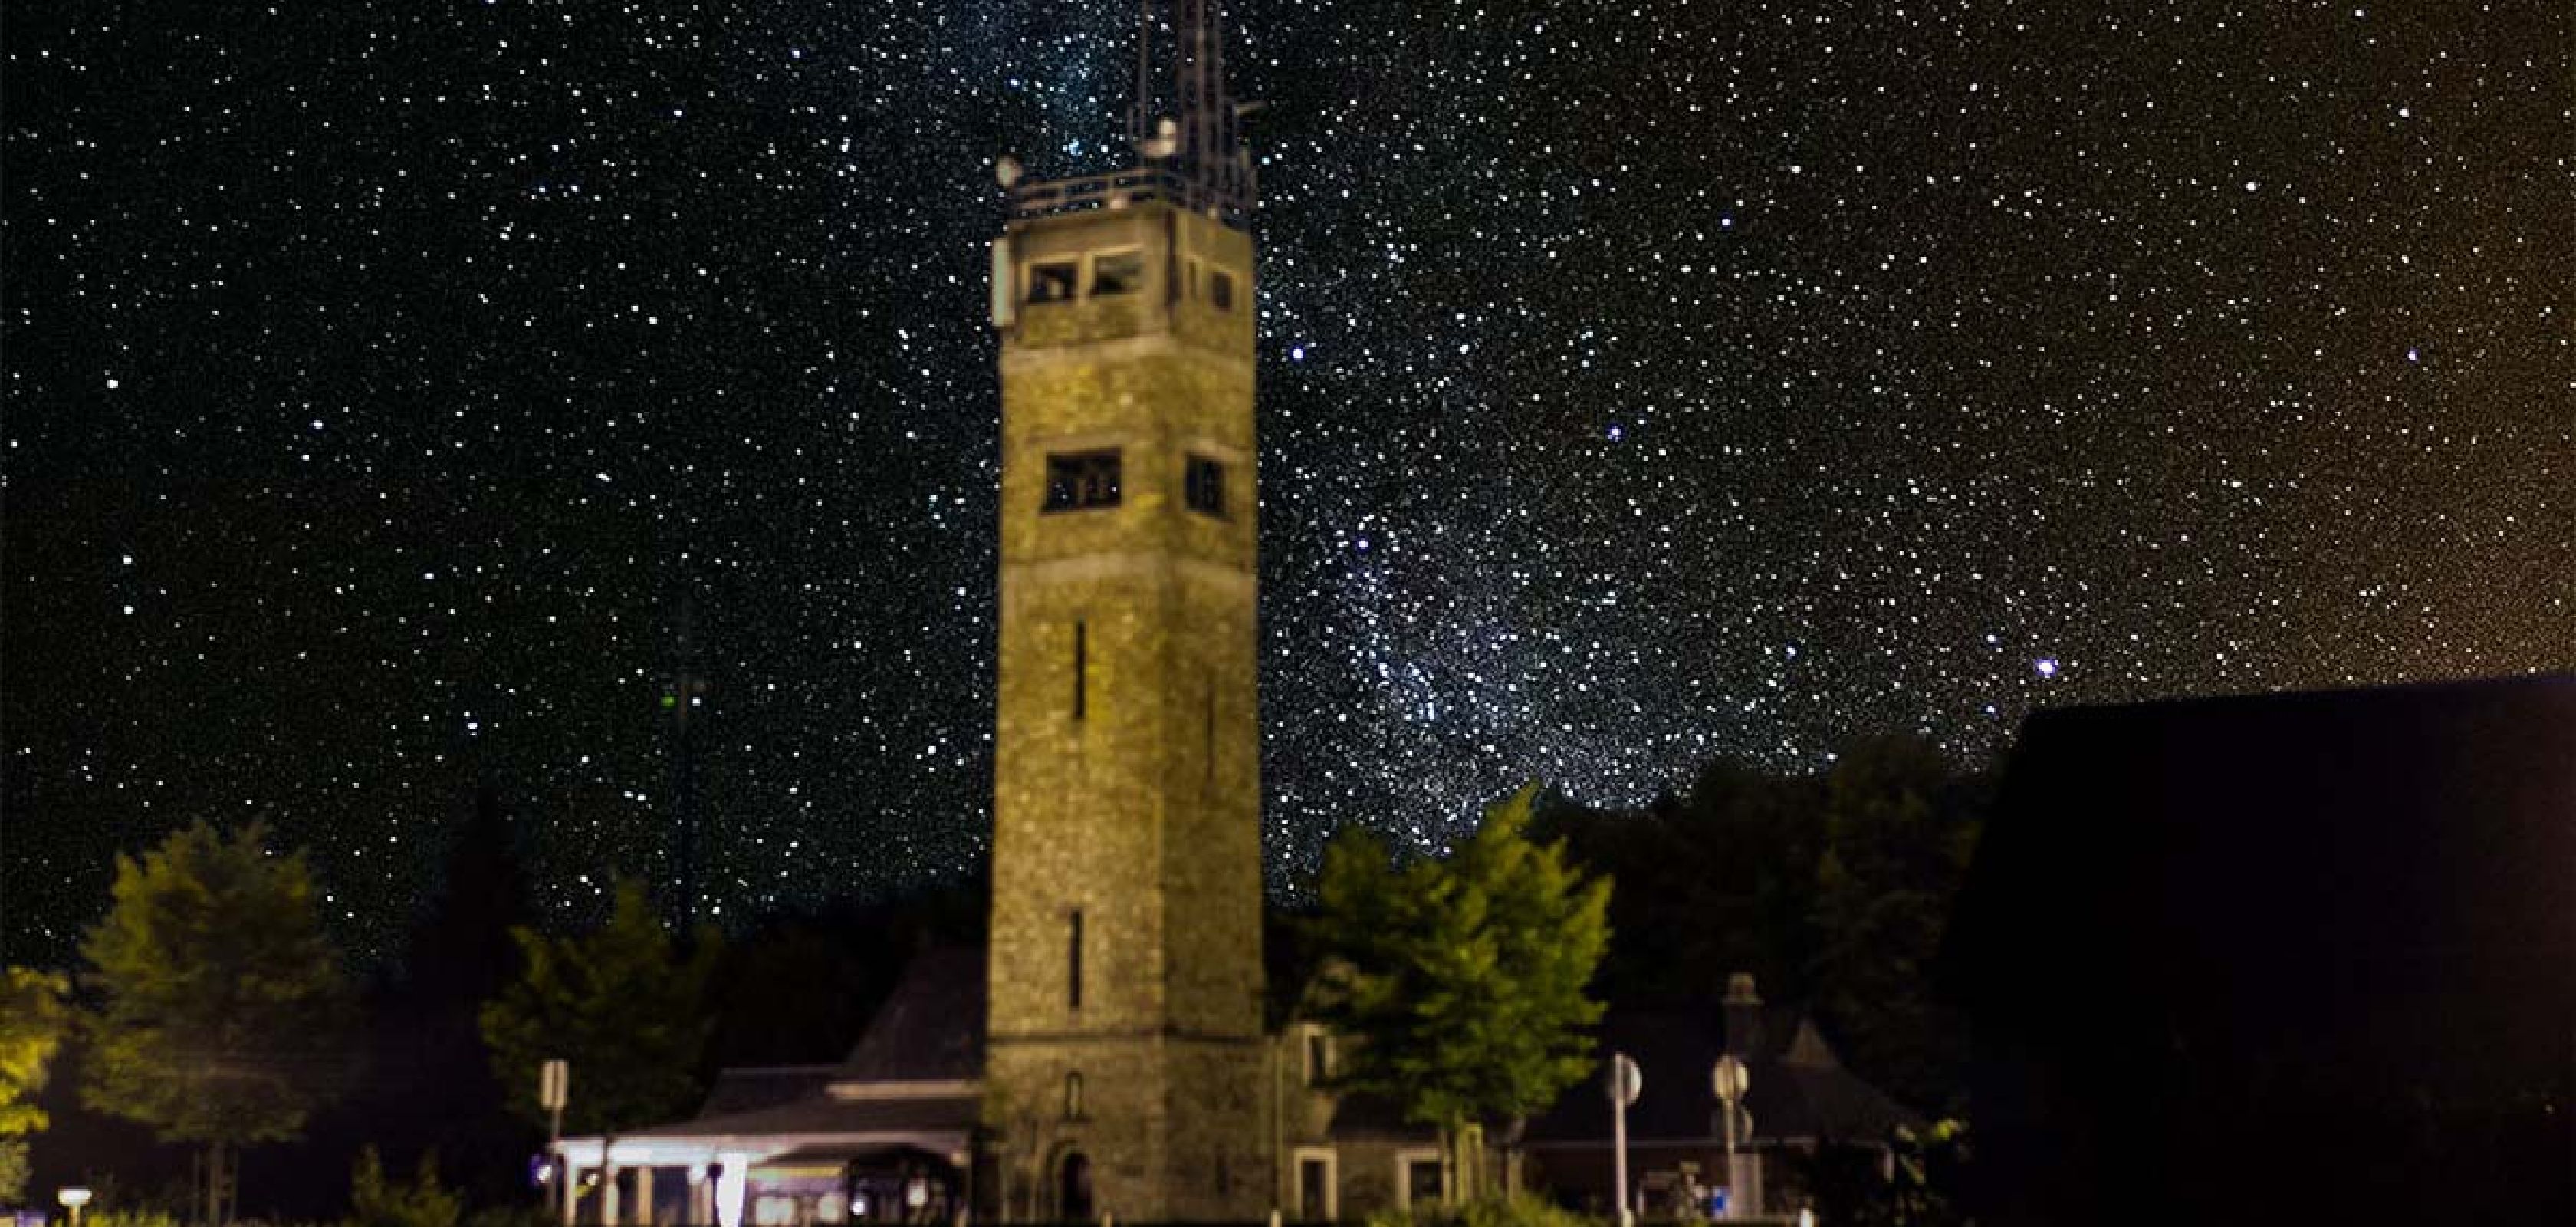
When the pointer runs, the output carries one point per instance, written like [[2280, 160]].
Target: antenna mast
[[1199, 137]]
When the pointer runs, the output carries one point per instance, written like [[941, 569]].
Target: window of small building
[[1053, 280], [1418, 1179], [1220, 291], [1317, 1190], [1081, 481], [1117, 272], [1203, 482], [1319, 1056]]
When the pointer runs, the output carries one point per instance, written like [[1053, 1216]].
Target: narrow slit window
[[1053, 280], [1204, 482], [1081, 670], [1117, 272], [1220, 290], [1082, 481], [1073, 962]]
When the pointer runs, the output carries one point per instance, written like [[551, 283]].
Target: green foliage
[[1831, 889], [32, 1021], [377, 1202], [514, 1214], [1897, 845], [221, 1004], [1463, 980], [621, 1005], [1917, 1183], [97, 1217]]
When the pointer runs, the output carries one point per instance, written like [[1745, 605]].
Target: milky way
[[401, 397]]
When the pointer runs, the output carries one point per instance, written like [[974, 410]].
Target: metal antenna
[[1206, 149]]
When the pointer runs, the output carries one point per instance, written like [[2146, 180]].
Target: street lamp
[[72, 1199]]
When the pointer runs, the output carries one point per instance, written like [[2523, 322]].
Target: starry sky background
[[1641, 383]]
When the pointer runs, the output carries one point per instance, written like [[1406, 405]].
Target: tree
[[221, 1005], [1462, 980], [32, 1021], [377, 1202], [1899, 830], [620, 1004]]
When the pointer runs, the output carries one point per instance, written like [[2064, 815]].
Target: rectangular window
[[1117, 272], [1315, 1192], [1221, 290], [1053, 280], [1421, 1180], [1073, 962], [1204, 484], [1081, 670], [1319, 1057], [1081, 481]]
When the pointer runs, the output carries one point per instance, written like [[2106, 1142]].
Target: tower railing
[[1118, 189]]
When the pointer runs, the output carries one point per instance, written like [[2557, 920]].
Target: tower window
[[1204, 483], [1073, 1095], [1221, 289], [1053, 280], [1117, 272], [1083, 480], [1073, 962]]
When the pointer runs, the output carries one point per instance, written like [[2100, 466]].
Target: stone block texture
[[1126, 923]]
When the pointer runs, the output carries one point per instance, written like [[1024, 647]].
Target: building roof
[[1799, 1088], [911, 1081], [743, 1088], [931, 1029], [830, 1115]]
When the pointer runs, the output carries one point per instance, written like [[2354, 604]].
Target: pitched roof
[[743, 1088], [828, 1115], [931, 1029], [1799, 1088]]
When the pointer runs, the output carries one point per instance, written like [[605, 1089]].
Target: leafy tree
[[1898, 835], [1462, 980], [622, 1005], [377, 1202], [221, 1004], [32, 1021]]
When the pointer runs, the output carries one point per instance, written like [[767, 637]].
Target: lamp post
[[72, 1199]]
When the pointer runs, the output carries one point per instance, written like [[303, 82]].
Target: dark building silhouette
[[2304, 958]]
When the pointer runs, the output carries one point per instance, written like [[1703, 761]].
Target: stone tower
[[1124, 1056]]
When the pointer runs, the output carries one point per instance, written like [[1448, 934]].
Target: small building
[[1800, 1100], [886, 1136], [2297, 958]]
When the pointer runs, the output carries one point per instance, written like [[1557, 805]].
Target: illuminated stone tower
[[1124, 1053]]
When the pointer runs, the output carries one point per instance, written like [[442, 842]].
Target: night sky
[[399, 394]]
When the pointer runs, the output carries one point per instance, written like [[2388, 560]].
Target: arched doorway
[[1073, 1188]]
